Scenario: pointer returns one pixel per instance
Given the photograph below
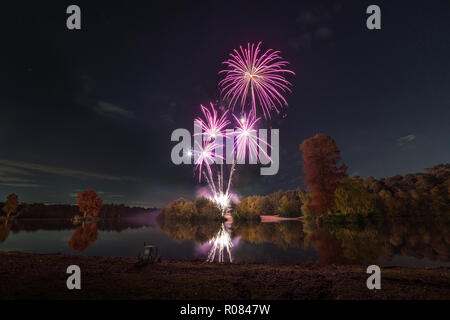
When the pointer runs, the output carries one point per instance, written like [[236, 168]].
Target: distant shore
[[266, 218], [43, 276]]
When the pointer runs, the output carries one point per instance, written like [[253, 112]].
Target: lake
[[399, 242]]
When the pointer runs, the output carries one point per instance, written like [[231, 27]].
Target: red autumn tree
[[89, 203], [11, 204], [320, 158]]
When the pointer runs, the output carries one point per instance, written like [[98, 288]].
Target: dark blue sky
[[95, 108]]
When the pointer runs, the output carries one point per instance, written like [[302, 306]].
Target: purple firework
[[212, 125], [247, 138], [256, 77]]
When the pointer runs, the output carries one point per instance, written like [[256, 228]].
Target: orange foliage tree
[[320, 158], [11, 204], [89, 203]]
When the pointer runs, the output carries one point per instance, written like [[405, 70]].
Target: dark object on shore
[[148, 256]]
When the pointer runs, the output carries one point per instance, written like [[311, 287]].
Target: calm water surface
[[399, 243]]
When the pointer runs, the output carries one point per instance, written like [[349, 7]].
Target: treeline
[[331, 190], [199, 209], [419, 193], [282, 203], [62, 211], [425, 193]]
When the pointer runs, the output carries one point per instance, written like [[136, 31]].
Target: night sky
[[95, 108]]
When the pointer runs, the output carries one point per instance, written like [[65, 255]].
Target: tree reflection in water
[[4, 231], [220, 243], [84, 236]]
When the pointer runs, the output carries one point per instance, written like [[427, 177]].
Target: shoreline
[[43, 276], [277, 218], [267, 218]]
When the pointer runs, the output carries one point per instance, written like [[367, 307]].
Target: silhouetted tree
[[89, 203], [320, 158]]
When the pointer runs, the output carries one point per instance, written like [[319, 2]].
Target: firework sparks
[[212, 129], [220, 243], [212, 125], [222, 200], [257, 77], [246, 138], [205, 157]]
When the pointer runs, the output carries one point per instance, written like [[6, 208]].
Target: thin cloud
[[8, 177], [107, 109], [406, 140], [65, 171], [13, 179], [86, 96], [21, 185], [4, 170]]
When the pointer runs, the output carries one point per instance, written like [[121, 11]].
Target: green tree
[[353, 197], [289, 207]]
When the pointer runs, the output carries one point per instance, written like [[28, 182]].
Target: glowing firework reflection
[[257, 77], [220, 243]]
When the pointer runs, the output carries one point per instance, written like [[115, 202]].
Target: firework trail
[[247, 138], [213, 127], [257, 77], [205, 158]]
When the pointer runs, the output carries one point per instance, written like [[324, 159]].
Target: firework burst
[[247, 138], [212, 125], [256, 77]]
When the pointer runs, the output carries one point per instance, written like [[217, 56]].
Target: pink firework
[[212, 125], [257, 77], [247, 138], [205, 157]]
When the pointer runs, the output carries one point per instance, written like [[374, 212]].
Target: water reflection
[[220, 243], [346, 246], [201, 231], [407, 241], [84, 236], [4, 231], [285, 234]]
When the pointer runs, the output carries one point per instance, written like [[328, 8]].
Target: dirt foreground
[[36, 276]]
